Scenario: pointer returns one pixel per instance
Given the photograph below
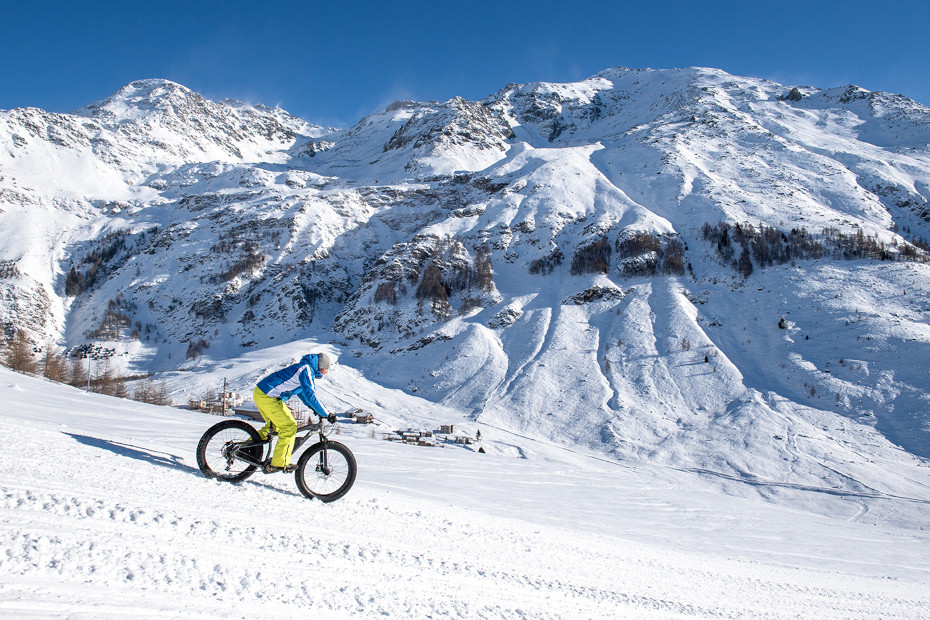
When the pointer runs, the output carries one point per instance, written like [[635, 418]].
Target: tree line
[[20, 355], [763, 246], [639, 254]]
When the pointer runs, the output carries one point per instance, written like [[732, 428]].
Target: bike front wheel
[[217, 450], [326, 471]]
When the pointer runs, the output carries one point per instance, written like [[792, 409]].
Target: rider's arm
[[308, 395]]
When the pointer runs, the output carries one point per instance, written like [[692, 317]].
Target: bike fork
[[323, 466]]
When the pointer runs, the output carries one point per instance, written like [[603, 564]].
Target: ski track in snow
[[108, 518]]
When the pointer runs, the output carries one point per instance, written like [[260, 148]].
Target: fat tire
[[210, 458], [326, 488]]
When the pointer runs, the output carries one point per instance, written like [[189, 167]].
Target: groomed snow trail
[[104, 515]]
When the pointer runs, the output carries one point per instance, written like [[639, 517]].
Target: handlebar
[[331, 419]]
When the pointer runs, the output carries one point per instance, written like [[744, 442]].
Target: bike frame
[[240, 452]]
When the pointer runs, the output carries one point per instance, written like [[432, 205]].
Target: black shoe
[[271, 469]]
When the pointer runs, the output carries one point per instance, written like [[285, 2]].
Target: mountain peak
[[142, 97], [152, 87]]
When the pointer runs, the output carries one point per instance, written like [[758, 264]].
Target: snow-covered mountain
[[714, 272]]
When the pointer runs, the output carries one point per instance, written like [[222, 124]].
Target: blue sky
[[332, 62]]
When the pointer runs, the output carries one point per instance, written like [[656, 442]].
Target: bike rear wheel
[[216, 452], [326, 471]]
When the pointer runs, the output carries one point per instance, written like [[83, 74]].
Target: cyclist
[[271, 395]]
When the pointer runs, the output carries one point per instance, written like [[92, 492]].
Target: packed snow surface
[[678, 418], [105, 515]]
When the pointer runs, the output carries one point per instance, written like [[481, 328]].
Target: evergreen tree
[[484, 270], [143, 391], [161, 394], [119, 387], [54, 365], [745, 264], [19, 355], [111, 383], [148, 391], [78, 377], [74, 282]]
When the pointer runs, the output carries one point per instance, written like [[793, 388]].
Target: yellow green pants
[[275, 411]]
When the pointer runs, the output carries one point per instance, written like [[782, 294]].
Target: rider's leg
[[259, 398], [276, 411]]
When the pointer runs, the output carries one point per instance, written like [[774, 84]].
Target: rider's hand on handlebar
[[331, 418]]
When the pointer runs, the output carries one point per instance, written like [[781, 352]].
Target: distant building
[[413, 437], [225, 404], [233, 399], [249, 413]]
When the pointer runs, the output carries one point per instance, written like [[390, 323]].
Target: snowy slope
[[104, 514], [535, 264]]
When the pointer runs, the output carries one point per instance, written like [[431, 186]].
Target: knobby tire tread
[[204, 459], [310, 458]]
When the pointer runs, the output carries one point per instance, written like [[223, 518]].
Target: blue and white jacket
[[296, 380]]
